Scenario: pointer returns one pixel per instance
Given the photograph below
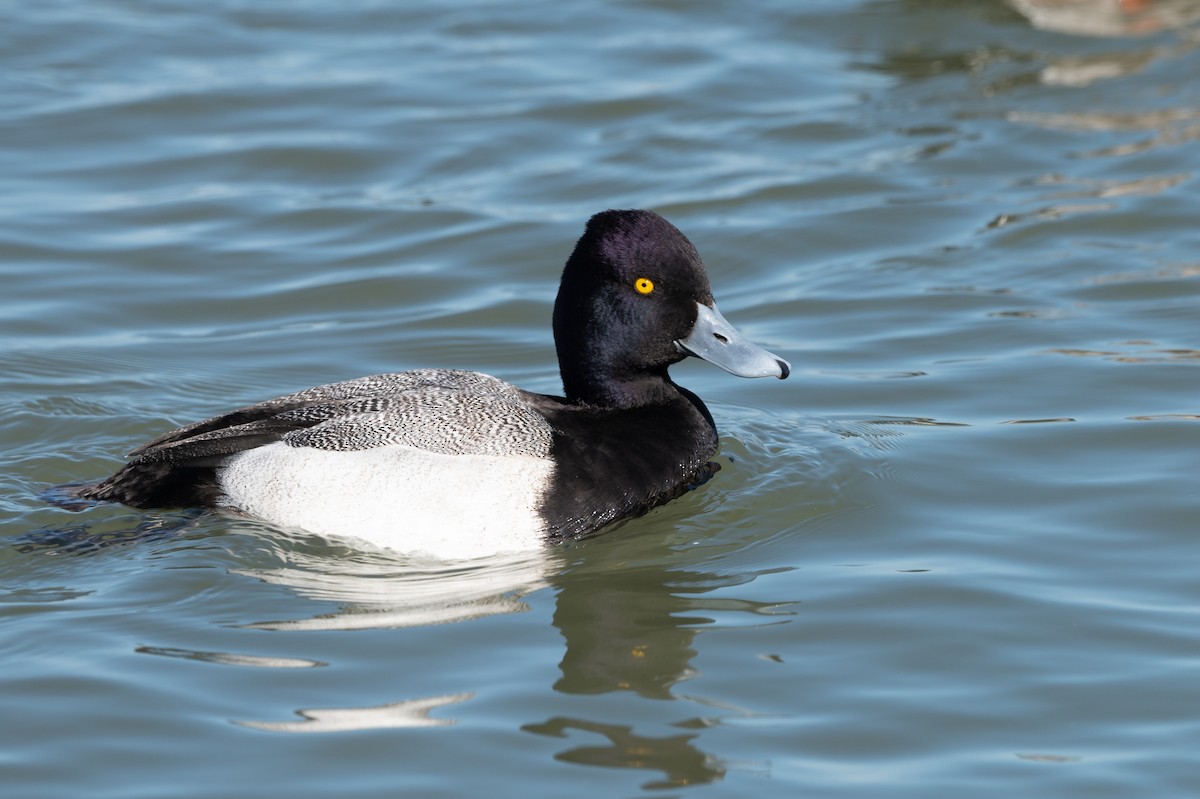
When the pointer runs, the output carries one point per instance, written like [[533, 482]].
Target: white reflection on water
[[409, 713], [380, 589], [377, 589], [231, 659]]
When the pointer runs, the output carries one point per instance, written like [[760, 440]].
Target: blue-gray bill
[[718, 342]]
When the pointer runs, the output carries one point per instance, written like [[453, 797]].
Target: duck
[[460, 464]]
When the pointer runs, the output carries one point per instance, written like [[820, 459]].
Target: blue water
[[952, 556]]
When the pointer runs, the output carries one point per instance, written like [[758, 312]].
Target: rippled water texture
[[955, 555]]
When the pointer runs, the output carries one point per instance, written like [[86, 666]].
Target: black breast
[[612, 464]]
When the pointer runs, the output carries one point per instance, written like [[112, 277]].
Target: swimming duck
[[461, 464]]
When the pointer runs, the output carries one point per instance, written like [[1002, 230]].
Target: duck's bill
[[718, 342]]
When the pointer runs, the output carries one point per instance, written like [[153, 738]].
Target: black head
[[628, 292], [630, 296]]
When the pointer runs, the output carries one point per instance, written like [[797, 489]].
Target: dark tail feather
[[143, 484]]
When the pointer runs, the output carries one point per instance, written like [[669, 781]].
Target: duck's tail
[[142, 484]]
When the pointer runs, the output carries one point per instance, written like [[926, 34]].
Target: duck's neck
[[619, 391]]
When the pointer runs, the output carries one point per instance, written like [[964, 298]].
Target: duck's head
[[635, 299]]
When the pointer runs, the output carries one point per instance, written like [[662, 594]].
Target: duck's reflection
[[375, 589], [624, 631], [627, 630], [630, 624], [378, 590], [628, 610], [675, 756]]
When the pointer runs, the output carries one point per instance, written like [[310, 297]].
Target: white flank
[[406, 499]]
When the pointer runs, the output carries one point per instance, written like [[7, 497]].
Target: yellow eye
[[644, 285]]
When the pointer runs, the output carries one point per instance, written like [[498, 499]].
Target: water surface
[[952, 556]]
